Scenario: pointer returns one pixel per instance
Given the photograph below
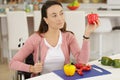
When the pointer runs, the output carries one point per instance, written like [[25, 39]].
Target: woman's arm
[[17, 62], [81, 55]]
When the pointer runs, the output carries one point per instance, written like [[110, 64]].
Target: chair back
[[17, 29]]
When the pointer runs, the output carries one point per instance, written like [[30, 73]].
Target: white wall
[[110, 45], [0, 1]]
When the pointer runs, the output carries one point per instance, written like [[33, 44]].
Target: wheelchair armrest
[[25, 74], [20, 74]]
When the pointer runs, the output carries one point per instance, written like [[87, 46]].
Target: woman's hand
[[91, 27], [37, 68]]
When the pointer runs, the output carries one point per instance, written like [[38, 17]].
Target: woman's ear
[[45, 19]]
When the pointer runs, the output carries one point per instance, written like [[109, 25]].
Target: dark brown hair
[[43, 26]]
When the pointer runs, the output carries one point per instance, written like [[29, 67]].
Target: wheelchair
[[21, 75]]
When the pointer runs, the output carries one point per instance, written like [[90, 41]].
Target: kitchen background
[[110, 44], [111, 39]]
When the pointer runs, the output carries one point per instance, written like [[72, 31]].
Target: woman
[[54, 41]]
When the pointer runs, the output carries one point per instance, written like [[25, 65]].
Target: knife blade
[[39, 53], [39, 56]]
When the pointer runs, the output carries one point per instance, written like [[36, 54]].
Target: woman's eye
[[61, 13], [54, 15]]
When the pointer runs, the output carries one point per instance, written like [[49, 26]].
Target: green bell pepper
[[106, 61], [116, 63]]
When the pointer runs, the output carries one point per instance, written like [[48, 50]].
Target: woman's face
[[55, 17]]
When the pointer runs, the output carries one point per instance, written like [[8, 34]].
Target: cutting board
[[95, 71]]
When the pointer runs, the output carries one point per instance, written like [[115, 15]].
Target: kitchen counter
[[101, 13]]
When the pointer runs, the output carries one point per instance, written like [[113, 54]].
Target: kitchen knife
[[39, 56]]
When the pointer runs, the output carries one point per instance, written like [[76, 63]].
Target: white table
[[113, 76]]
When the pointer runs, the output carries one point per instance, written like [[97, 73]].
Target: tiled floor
[[4, 72]]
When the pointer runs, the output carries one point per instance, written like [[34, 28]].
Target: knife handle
[[39, 74]]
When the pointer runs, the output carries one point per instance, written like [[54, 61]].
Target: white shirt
[[55, 58]]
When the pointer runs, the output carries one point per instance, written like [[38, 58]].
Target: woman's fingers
[[37, 67], [96, 24]]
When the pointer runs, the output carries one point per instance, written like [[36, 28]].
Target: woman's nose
[[60, 18]]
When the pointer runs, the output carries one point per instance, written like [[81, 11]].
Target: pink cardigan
[[69, 44]]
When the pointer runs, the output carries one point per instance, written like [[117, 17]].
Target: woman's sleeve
[[17, 62], [81, 55]]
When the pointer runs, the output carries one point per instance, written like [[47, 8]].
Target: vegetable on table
[[69, 69], [106, 61], [110, 62], [116, 63], [80, 68]]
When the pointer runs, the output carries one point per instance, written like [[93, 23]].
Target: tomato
[[82, 67], [79, 65], [69, 69], [89, 67], [92, 18], [80, 72]]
